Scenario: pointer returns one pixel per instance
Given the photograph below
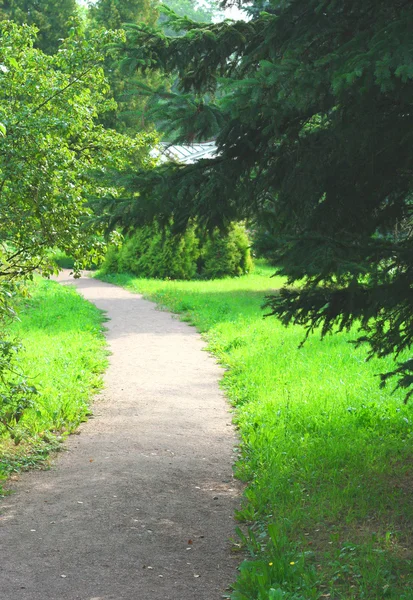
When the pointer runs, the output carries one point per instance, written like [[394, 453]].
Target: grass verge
[[64, 355], [326, 454]]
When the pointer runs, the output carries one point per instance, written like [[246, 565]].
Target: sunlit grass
[[64, 356], [327, 455]]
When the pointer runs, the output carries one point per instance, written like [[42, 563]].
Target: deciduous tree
[[51, 17], [50, 145]]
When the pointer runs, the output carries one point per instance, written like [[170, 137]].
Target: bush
[[156, 253], [16, 395], [227, 255], [150, 252], [111, 262]]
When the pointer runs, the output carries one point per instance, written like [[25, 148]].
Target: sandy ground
[[141, 505]]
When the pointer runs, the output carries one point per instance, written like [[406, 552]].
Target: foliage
[[113, 14], [150, 252], [127, 116], [202, 12], [52, 18], [49, 106], [173, 112], [49, 147], [327, 510], [132, 113], [16, 395], [156, 252], [227, 255], [317, 133], [170, 110], [64, 355]]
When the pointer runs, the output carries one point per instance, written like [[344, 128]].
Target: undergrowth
[[326, 453], [64, 356]]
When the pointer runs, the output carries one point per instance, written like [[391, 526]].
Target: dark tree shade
[[315, 144], [51, 17]]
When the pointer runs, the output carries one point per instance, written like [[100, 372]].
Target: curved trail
[[141, 505]]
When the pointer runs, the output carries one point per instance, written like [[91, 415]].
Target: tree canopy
[[113, 14], [51, 17], [50, 148], [314, 136], [203, 12], [50, 145]]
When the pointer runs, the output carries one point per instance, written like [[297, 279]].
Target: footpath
[[140, 505]]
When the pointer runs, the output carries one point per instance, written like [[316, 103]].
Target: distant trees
[[51, 17], [113, 14]]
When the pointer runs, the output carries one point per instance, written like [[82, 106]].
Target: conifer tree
[[51, 17], [315, 137], [203, 12]]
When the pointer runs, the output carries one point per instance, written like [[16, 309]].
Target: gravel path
[[141, 505]]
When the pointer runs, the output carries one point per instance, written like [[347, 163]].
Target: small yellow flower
[[292, 563], [270, 564]]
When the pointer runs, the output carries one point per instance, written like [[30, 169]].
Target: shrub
[[62, 259], [227, 255], [111, 262], [16, 395], [157, 253], [151, 252]]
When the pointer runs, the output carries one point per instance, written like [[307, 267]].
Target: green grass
[[326, 454], [64, 356]]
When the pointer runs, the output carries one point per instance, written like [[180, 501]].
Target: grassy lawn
[[64, 355], [327, 455]]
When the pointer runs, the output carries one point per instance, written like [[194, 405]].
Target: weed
[[64, 355]]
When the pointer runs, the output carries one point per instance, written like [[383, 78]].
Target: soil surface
[[141, 505]]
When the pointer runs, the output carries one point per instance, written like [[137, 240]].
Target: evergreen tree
[[316, 134], [203, 12], [51, 17]]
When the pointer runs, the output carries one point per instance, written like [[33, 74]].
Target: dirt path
[[140, 507]]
